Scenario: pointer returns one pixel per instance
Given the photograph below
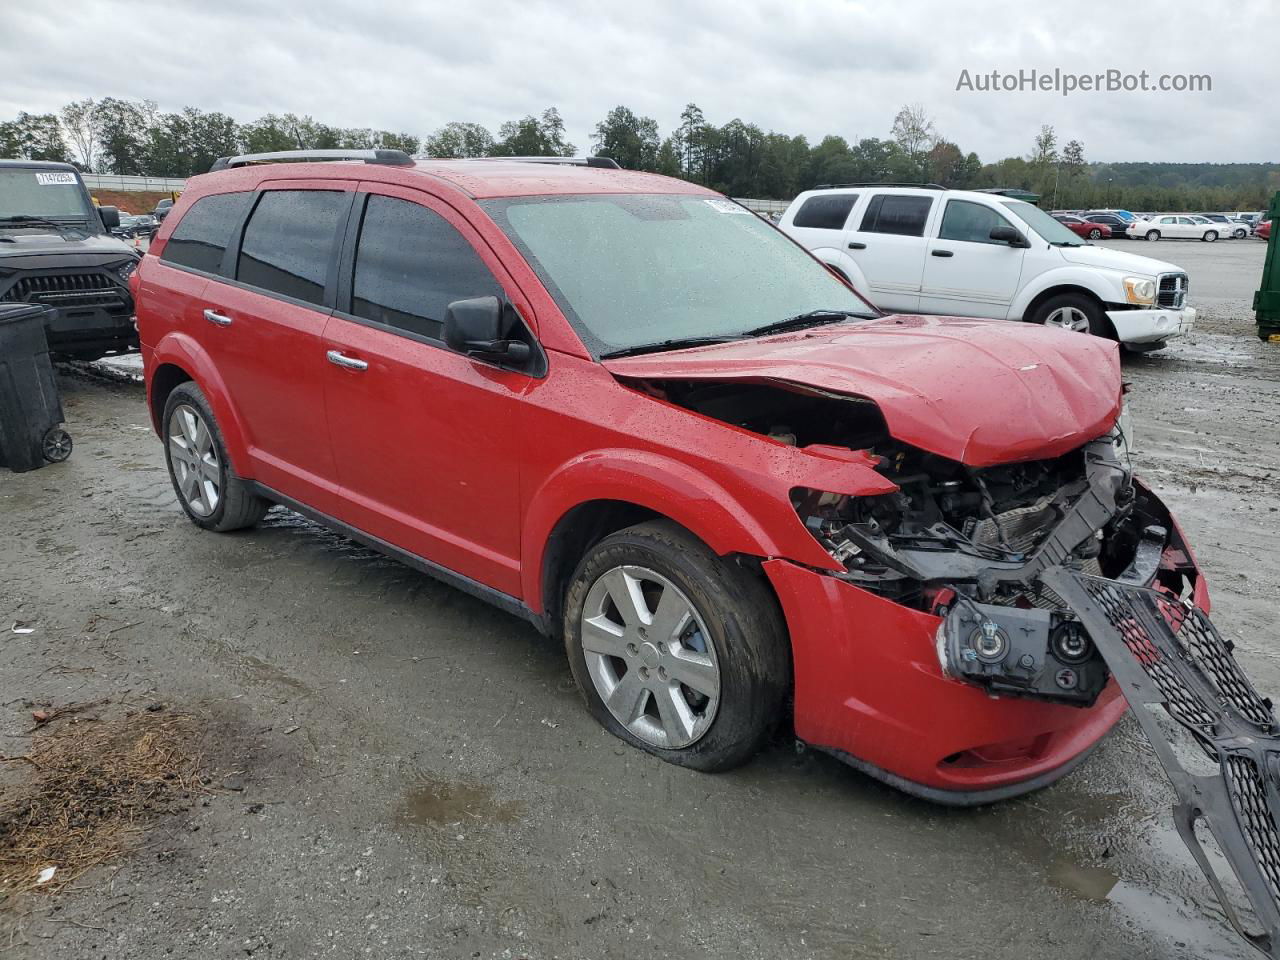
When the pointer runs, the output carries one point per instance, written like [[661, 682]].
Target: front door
[[427, 441]]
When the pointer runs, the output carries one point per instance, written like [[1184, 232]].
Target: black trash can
[[31, 431]]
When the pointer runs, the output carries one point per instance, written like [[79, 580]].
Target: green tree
[[79, 122], [534, 137], [630, 140], [267, 134], [913, 131], [459, 140], [668, 162], [691, 140], [123, 127], [34, 137]]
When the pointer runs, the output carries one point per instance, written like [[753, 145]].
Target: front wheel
[[1209, 236], [1240, 233], [676, 650], [211, 495], [1072, 312], [1095, 234], [1153, 235]]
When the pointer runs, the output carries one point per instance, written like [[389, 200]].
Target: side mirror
[[476, 327], [110, 217], [1007, 234]]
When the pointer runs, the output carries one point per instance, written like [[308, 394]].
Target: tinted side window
[[825, 211], [205, 231], [896, 214], [289, 240], [411, 264], [970, 222]]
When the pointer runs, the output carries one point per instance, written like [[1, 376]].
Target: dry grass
[[91, 784]]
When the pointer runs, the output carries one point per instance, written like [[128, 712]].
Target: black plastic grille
[[1249, 797], [1173, 290], [68, 290]]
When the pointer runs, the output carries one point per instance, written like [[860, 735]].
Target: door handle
[[350, 363], [857, 245], [943, 253], [220, 319]]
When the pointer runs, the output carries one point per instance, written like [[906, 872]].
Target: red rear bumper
[[868, 685]]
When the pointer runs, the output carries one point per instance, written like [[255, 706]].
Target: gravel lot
[[400, 771]]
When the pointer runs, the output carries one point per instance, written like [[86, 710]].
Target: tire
[[732, 630], [1074, 312], [229, 505], [1095, 234], [1210, 236], [1240, 233], [56, 445], [1153, 235]]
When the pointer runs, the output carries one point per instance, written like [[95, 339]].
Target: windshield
[[1048, 228], [53, 194], [632, 270]]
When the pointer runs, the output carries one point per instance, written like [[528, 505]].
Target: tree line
[[741, 159]]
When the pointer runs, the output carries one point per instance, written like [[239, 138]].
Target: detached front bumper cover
[[1163, 652]]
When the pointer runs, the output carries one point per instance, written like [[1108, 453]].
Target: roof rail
[[604, 163], [394, 158], [881, 183]]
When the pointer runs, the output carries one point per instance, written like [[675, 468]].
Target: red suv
[[625, 408]]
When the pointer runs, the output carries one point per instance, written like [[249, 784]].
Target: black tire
[[1095, 234], [1153, 235], [1240, 233], [746, 629], [56, 445], [238, 507], [1099, 325], [1210, 236]]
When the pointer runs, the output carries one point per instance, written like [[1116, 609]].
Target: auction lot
[[395, 769]]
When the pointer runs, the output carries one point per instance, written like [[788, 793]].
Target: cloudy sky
[[806, 66]]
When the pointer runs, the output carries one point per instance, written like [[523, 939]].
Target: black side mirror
[[1007, 234], [110, 217], [478, 328]]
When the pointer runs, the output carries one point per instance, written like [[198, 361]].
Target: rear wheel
[[676, 650], [1095, 234], [1210, 236], [1240, 233], [1153, 235], [211, 495], [1073, 312]]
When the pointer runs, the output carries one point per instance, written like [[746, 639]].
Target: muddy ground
[[398, 770]]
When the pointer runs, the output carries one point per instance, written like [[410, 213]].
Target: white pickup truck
[[973, 254]]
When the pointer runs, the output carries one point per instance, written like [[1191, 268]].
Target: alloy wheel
[[195, 460], [1068, 318], [650, 656]]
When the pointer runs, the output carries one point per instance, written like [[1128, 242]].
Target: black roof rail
[[881, 183], [393, 158], [604, 163]]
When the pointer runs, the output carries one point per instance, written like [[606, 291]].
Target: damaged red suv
[[627, 409]]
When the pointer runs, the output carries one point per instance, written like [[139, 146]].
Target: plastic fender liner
[[1162, 651]]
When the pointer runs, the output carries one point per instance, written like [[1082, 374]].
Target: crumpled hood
[[41, 240], [982, 392], [1108, 257]]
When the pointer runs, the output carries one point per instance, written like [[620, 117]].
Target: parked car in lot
[[1175, 227], [1231, 227], [966, 253], [1263, 230], [135, 225], [162, 208], [56, 250], [1115, 222], [1088, 229]]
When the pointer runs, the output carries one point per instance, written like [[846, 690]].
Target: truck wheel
[[1071, 311], [676, 650], [212, 496], [1210, 236], [1153, 235], [1095, 234]]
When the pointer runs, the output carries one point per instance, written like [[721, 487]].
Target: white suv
[[973, 254]]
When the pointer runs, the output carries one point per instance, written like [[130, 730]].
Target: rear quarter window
[[827, 211], [202, 236]]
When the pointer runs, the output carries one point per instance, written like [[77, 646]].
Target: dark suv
[[56, 250]]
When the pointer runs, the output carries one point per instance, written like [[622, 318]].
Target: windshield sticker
[[725, 206], [52, 179]]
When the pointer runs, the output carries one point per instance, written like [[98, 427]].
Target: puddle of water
[[438, 802], [1091, 883]]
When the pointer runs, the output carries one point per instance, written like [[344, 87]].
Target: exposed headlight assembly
[[1139, 290], [125, 270]]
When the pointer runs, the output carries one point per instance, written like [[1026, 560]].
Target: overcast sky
[[812, 67]]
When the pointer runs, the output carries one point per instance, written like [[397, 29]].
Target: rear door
[[889, 247], [966, 272], [427, 441], [267, 324]]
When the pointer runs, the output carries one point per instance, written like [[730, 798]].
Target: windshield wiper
[[811, 319], [26, 219], [676, 343]]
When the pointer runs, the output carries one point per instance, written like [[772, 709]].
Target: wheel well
[[163, 380], [1045, 295]]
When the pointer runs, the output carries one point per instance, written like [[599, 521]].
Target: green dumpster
[[1266, 302]]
